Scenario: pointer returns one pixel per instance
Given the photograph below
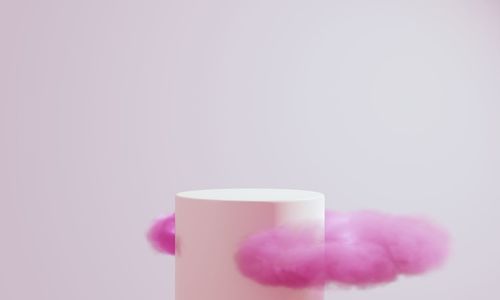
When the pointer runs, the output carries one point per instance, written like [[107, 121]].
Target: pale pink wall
[[107, 108]]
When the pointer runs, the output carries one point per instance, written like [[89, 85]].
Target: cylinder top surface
[[251, 194]]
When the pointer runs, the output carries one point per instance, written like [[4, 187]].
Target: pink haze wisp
[[161, 235]]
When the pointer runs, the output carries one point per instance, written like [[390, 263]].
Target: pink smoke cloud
[[362, 248]]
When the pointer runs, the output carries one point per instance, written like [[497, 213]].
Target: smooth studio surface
[[252, 195]]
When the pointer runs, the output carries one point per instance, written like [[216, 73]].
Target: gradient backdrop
[[107, 108]]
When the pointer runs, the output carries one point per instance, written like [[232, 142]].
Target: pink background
[[107, 108]]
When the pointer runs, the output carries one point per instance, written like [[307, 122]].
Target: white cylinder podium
[[211, 223]]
